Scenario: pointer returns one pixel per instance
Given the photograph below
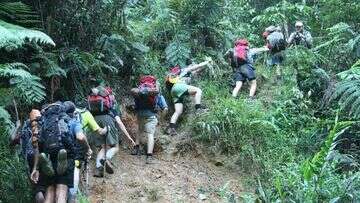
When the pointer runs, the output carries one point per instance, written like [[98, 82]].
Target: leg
[[252, 87], [61, 193], [196, 92], [237, 88], [179, 107], [150, 128], [39, 197], [100, 156], [50, 194], [110, 153]]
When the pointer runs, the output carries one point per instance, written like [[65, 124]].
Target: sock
[[98, 162], [197, 106], [172, 125], [110, 153]]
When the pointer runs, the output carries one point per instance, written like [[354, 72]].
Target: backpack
[[276, 42], [101, 102], [54, 132], [173, 76], [241, 50], [147, 81]]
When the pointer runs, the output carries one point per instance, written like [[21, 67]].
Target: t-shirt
[[88, 121]]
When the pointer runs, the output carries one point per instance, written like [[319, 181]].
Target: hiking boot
[[99, 172], [136, 150], [45, 165], [150, 159], [109, 167], [62, 163], [171, 131]]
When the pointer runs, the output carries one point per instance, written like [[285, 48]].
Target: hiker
[[177, 82], [88, 124], [22, 136], [241, 58], [102, 105], [275, 42], [147, 103], [300, 36], [54, 150]]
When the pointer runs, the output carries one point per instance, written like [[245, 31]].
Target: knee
[[198, 91]]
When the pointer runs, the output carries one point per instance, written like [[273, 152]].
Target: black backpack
[[55, 133]]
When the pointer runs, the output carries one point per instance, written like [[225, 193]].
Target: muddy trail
[[182, 173]]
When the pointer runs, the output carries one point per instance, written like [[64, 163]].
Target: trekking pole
[[104, 171]]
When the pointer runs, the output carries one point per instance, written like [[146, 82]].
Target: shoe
[[45, 165], [150, 160], [109, 167], [136, 150], [201, 110], [99, 172], [172, 132]]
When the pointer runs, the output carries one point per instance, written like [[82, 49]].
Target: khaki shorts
[[147, 125]]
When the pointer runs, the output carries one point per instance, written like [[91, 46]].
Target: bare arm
[[196, 67], [123, 129]]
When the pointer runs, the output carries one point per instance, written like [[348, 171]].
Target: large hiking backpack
[[147, 81], [55, 133], [241, 50], [102, 101], [276, 42]]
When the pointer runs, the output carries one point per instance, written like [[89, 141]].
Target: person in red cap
[[241, 59]]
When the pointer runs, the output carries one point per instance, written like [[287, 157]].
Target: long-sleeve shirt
[[301, 38]]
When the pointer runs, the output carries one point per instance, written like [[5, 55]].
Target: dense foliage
[[298, 141]]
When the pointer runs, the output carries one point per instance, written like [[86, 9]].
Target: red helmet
[[241, 42]]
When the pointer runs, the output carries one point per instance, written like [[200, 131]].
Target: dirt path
[[182, 174]]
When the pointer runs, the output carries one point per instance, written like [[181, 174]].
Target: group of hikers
[[58, 139]]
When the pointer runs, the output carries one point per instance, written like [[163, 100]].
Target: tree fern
[[14, 36], [5, 119]]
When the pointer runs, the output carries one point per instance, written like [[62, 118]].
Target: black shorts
[[245, 72], [182, 98], [66, 179], [41, 185]]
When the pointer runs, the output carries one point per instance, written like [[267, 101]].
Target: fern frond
[[14, 36], [18, 13], [5, 119], [30, 89], [10, 70]]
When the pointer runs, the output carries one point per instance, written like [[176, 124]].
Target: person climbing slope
[[300, 36], [177, 82], [55, 152], [147, 103], [102, 105], [241, 58], [276, 43]]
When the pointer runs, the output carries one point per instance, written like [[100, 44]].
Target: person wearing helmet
[[300, 36], [241, 59]]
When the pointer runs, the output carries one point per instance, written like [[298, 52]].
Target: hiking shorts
[[112, 137], [245, 72], [178, 92], [66, 179], [275, 59], [147, 125]]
